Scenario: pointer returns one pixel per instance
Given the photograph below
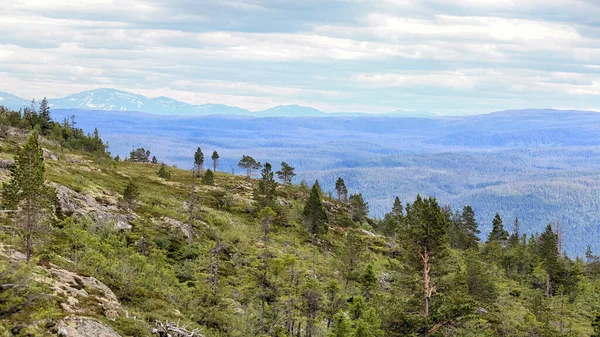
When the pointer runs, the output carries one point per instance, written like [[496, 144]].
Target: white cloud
[[256, 53]]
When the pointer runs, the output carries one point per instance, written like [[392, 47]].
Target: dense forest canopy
[[139, 248]]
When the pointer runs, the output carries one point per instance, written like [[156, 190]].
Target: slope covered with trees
[[238, 256]]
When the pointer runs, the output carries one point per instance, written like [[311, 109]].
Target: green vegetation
[[245, 257]]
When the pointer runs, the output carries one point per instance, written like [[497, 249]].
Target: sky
[[444, 56]]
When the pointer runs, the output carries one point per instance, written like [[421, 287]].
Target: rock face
[[78, 289], [73, 203], [75, 326]]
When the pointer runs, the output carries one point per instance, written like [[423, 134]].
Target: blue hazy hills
[[539, 165]]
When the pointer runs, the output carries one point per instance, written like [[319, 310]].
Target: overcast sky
[[335, 55]]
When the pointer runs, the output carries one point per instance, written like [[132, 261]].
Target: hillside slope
[[114, 271]]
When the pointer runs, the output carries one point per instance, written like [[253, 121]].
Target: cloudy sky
[[470, 56]]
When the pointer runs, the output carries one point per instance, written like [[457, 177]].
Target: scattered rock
[[6, 164], [75, 326], [73, 203], [49, 155], [185, 228], [77, 288]]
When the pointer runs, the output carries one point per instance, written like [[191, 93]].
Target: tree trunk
[[428, 288]]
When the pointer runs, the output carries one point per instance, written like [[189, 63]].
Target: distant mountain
[[12, 101], [117, 100], [290, 111]]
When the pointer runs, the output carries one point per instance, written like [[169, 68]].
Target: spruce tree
[[28, 194], [164, 172], [208, 178], [397, 209], [468, 229], [341, 326], [315, 218], [548, 250], [359, 207], [498, 233], [215, 159], [45, 121]]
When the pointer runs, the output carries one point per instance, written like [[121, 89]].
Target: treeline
[[66, 134]]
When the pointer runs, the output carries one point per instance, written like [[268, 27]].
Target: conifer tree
[[397, 209], [359, 207], [315, 218], [131, 192], [286, 174], [340, 188], [198, 161], [28, 194], [215, 159], [265, 193], [45, 121], [341, 326], [515, 236], [208, 178], [249, 164], [468, 229], [498, 233], [426, 236], [368, 282], [164, 172], [549, 253]]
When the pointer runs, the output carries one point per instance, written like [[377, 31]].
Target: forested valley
[[97, 245]]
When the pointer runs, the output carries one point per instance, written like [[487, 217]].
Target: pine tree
[[198, 161], [340, 188], [208, 178], [249, 164], [215, 159], [426, 235], [548, 251], [498, 233], [265, 193], [28, 194], [286, 174]]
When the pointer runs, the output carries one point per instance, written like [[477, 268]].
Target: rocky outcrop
[[49, 155], [72, 203], [82, 294], [74, 326]]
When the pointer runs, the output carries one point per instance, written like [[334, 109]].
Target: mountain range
[[118, 100]]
